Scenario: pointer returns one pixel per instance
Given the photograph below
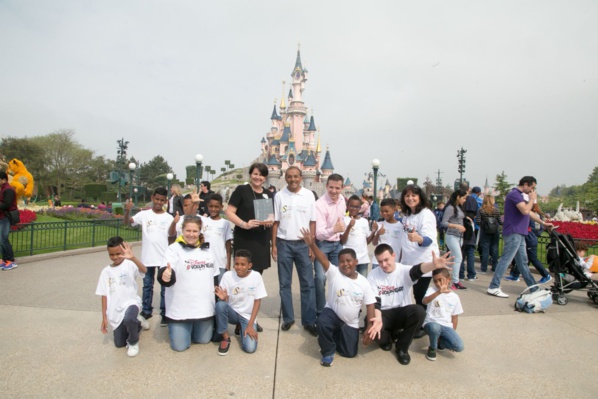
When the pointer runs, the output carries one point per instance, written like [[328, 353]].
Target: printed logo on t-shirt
[[196, 264], [388, 289]]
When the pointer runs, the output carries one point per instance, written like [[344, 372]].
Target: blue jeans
[[297, 251], [469, 258], [7, 253], [226, 315], [514, 247], [148, 292], [331, 250], [453, 244], [447, 337], [182, 334], [362, 269], [334, 335], [532, 256], [488, 248]]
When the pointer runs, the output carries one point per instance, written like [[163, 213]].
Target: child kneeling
[[338, 324], [240, 293], [444, 306]]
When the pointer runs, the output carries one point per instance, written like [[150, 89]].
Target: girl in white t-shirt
[[188, 273], [357, 235]]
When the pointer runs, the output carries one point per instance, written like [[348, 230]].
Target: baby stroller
[[568, 272]]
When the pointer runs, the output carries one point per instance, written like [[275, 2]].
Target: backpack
[[490, 225], [534, 302]]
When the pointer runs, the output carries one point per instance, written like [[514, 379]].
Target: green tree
[[152, 173], [502, 186]]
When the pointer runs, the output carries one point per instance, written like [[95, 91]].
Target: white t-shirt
[[346, 295], [294, 211], [192, 295], [154, 227], [393, 233], [425, 224], [394, 289], [243, 292], [442, 308], [119, 285], [357, 239], [217, 233]]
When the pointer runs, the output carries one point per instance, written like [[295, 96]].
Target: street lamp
[[169, 177], [132, 168], [198, 161], [135, 191], [375, 166]]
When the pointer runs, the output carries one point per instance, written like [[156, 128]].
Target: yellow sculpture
[[22, 180]]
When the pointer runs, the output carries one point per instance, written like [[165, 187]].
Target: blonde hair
[[177, 189], [488, 204]]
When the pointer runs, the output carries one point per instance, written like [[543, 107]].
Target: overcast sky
[[407, 82]]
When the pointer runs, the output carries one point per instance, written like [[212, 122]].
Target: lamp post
[[169, 177], [135, 191], [198, 161], [132, 168], [375, 167], [434, 199]]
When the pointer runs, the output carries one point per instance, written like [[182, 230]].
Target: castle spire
[[318, 147], [282, 104]]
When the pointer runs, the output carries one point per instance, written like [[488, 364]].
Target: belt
[[291, 241]]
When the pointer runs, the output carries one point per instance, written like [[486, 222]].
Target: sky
[[513, 82]]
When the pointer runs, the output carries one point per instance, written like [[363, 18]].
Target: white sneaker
[[497, 292], [133, 350], [144, 323]]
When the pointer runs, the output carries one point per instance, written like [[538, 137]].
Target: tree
[[151, 174], [502, 187], [29, 152]]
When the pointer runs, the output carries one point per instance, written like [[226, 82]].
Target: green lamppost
[[132, 168], [375, 167], [198, 161], [169, 177]]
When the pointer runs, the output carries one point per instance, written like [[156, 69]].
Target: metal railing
[[38, 238]]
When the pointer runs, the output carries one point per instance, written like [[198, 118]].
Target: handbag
[[14, 217]]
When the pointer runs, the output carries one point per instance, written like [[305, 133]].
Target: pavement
[[52, 347]]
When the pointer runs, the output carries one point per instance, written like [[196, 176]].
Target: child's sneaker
[[9, 265], [431, 354], [133, 350], [459, 286], [144, 323], [224, 347], [238, 329], [327, 361], [163, 321]]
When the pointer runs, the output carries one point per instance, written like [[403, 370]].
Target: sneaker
[[460, 286], [431, 354], [163, 321], [238, 329], [312, 330], [144, 323], [497, 292], [403, 357], [8, 265], [258, 328], [224, 347], [133, 350], [512, 278], [544, 280], [471, 278], [454, 287], [440, 348], [146, 316], [327, 361]]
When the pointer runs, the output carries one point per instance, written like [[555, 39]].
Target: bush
[[72, 213]]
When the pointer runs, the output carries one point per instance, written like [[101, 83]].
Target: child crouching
[[240, 293], [120, 302], [442, 312]]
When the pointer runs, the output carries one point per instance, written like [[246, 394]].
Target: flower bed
[[577, 230], [72, 213], [26, 216]]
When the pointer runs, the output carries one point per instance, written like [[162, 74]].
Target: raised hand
[[177, 217], [339, 226], [307, 237], [221, 293], [381, 231], [127, 251], [374, 226], [195, 197], [167, 274], [443, 262]]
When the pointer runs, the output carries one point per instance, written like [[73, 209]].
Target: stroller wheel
[[562, 300], [595, 299]]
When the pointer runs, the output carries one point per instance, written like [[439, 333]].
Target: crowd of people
[[188, 247]]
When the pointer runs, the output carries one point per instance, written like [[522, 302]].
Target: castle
[[291, 140]]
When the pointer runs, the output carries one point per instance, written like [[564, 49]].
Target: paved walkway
[[52, 347]]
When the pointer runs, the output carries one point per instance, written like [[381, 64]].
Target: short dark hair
[[381, 248], [354, 198], [161, 191], [349, 251], [335, 177], [115, 241], [529, 180], [388, 202], [243, 253], [443, 271], [215, 197], [262, 168], [187, 196], [293, 167], [424, 202], [206, 184]]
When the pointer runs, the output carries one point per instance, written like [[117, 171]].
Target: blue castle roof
[[327, 164]]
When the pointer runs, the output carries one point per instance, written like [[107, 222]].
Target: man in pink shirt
[[330, 210]]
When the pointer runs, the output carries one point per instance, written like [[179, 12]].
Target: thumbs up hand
[[167, 275]]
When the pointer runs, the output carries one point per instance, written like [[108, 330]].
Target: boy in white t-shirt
[[218, 233], [357, 235], [120, 303], [442, 315], [390, 230], [338, 324], [155, 224], [240, 293]]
